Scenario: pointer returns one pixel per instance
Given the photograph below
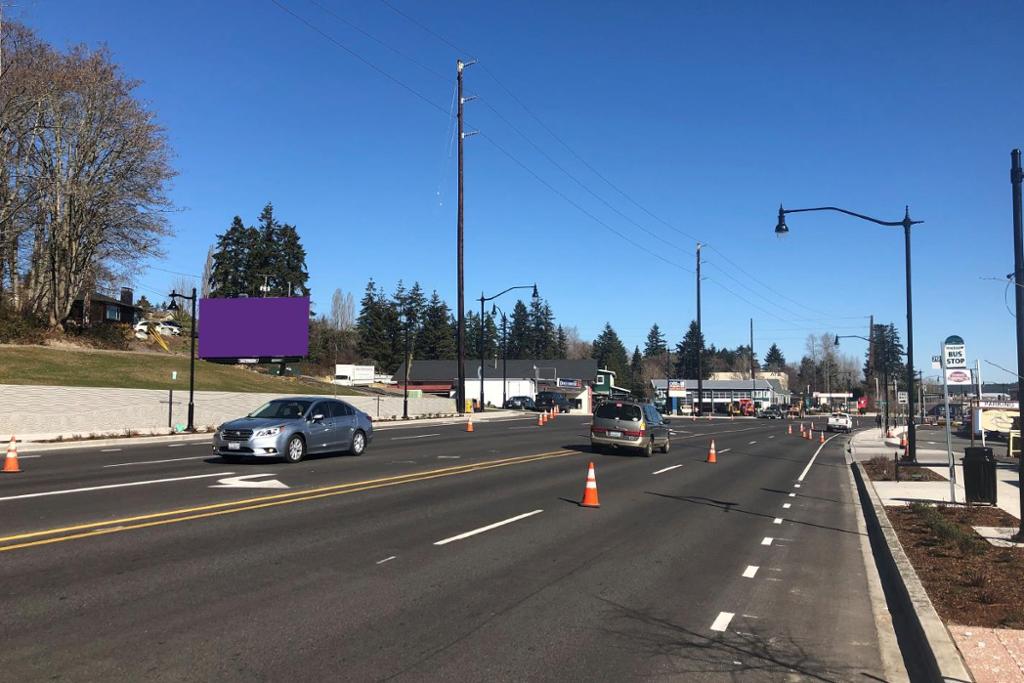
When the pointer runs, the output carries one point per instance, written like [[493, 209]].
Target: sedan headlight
[[270, 431]]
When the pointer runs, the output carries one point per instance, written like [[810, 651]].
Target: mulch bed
[[970, 581], [883, 469]]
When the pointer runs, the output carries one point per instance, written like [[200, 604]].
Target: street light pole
[[408, 360], [504, 352], [700, 350], [1016, 178], [484, 299], [781, 230]]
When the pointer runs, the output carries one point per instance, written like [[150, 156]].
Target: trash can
[[979, 475]]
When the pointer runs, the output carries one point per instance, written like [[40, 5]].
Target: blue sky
[[706, 114]]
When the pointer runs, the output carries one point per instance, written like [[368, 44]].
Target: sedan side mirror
[[318, 417]]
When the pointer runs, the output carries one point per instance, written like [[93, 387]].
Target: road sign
[[955, 351], [901, 397], [676, 389], [936, 362], [564, 383]]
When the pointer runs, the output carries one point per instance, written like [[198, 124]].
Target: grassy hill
[[127, 370]]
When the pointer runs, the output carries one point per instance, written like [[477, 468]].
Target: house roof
[[447, 370], [104, 299], [726, 385]]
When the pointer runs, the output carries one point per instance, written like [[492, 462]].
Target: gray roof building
[[440, 371]]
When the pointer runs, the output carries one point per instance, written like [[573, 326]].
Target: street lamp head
[[494, 309], [781, 230], [535, 294], [173, 306], [837, 340]]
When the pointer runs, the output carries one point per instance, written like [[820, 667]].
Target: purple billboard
[[253, 328]]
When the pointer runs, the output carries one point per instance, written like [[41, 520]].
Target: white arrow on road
[[244, 482]]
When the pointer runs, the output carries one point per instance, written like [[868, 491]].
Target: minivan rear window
[[618, 411]]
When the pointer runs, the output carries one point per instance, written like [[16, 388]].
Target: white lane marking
[[448, 457], [482, 529], [792, 495], [114, 486], [24, 457], [772, 436], [749, 572], [724, 450], [751, 443], [176, 445], [811, 462], [767, 540], [786, 506], [417, 436], [796, 486], [157, 462], [386, 559], [528, 427], [245, 482], [721, 622], [110, 450], [666, 469], [777, 520]]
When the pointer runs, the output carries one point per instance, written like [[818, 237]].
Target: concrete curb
[[928, 649]]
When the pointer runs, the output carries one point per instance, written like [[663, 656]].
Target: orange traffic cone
[[469, 424], [557, 411], [789, 430], [812, 426], [11, 461], [821, 438], [540, 419], [590, 490], [903, 441], [712, 454]]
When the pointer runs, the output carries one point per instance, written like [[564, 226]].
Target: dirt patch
[[970, 581], [884, 469]]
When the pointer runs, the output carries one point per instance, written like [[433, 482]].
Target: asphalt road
[[441, 555]]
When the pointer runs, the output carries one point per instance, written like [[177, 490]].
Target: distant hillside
[[50, 366]]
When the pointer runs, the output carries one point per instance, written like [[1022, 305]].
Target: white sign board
[[676, 389], [956, 356], [901, 397], [958, 376], [936, 362]]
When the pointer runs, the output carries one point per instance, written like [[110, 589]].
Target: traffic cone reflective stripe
[[712, 454], [469, 425], [540, 420], [11, 461], [821, 439], [590, 490], [789, 430], [903, 441]]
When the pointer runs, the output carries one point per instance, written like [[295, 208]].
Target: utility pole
[[1016, 176], [700, 348], [871, 356], [461, 329], [753, 380]]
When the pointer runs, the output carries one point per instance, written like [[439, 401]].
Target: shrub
[[16, 328]]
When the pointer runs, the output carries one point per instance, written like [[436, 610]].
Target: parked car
[[547, 400], [629, 424], [168, 328], [291, 428], [771, 413], [520, 403], [839, 422]]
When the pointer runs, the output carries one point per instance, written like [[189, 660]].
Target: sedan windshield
[[282, 409]]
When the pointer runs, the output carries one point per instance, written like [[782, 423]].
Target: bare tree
[[576, 347], [343, 309], [85, 170]]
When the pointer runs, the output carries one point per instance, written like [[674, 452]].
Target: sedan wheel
[[358, 443], [296, 449]]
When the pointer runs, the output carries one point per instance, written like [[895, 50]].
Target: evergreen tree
[[562, 346], [636, 374], [144, 304], [885, 354], [374, 343], [435, 340], [416, 305], [610, 353], [774, 360], [687, 354], [656, 343], [234, 261], [543, 341], [490, 332], [519, 346]]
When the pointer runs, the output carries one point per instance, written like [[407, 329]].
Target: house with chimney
[[105, 309]]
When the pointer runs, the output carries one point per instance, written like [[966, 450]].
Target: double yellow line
[[70, 533]]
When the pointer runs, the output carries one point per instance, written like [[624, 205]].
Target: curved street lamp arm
[[488, 298], [902, 223]]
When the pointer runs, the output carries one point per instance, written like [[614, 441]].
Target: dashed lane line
[[721, 622], [777, 520], [386, 559], [416, 436], [767, 540], [750, 571], [666, 469], [489, 527], [786, 506]]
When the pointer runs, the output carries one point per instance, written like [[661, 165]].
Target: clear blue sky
[[708, 114]]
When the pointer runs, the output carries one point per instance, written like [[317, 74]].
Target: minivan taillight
[[598, 430], [634, 435]]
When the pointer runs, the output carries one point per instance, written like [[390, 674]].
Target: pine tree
[[234, 261], [416, 305], [687, 354], [656, 344], [562, 346], [435, 340], [636, 373], [374, 341], [774, 360], [519, 333], [610, 353], [144, 304], [543, 342]]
